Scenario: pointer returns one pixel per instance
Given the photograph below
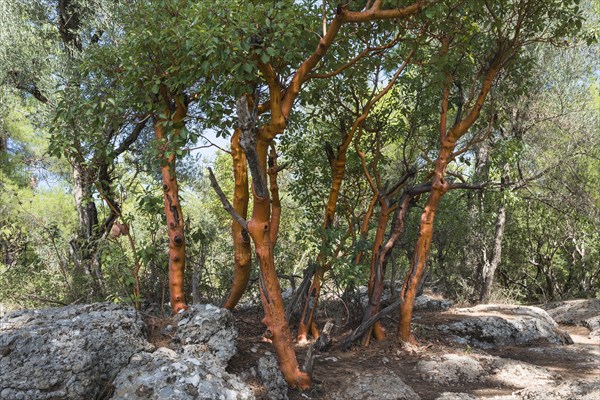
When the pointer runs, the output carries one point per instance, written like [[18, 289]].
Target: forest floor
[[337, 368]]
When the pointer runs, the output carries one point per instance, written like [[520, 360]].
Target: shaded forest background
[[81, 199]]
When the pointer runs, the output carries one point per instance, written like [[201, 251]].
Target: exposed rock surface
[[451, 369], [577, 312], [169, 375], [98, 350], [206, 331], [428, 303], [488, 326], [270, 376], [368, 386], [577, 390], [456, 396], [456, 369], [70, 352], [205, 342]]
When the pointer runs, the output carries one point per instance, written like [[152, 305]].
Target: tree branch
[[132, 137], [225, 202]]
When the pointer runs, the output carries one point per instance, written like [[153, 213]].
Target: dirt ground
[[338, 368]]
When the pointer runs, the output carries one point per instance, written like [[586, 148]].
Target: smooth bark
[[241, 240], [173, 212]]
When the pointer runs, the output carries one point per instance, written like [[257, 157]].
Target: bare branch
[[226, 204]]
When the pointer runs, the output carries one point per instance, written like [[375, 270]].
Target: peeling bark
[[259, 228]]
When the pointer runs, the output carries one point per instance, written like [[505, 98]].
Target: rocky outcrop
[[458, 369], [451, 369], [427, 303], [71, 352], [575, 390], [270, 376], [376, 386], [489, 326], [100, 350], [168, 375], [204, 342], [577, 312], [206, 331], [455, 396]]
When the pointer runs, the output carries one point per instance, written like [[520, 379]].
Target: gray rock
[[428, 303], [368, 386], [577, 312], [168, 375], [573, 312], [204, 342], [455, 396], [519, 374], [489, 326], [577, 390], [205, 331], [270, 376], [70, 352], [451, 369], [458, 369]]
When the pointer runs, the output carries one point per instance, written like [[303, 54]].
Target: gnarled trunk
[[263, 228], [376, 280]]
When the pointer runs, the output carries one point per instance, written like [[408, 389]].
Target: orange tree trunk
[[419, 259], [260, 229], [173, 213], [381, 253], [439, 185], [241, 240]]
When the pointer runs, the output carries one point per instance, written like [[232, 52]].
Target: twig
[[358, 332]]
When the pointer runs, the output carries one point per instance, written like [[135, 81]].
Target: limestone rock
[[204, 342], [270, 376], [456, 396], [376, 387], [451, 369], [519, 374], [577, 312], [70, 352], [458, 369], [489, 326], [205, 331], [577, 390], [428, 303], [168, 375]]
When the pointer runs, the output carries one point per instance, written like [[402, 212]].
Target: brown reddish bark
[[173, 211], [280, 104], [439, 187], [381, 254], [262, 228], [338, 171], [241, 240]]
